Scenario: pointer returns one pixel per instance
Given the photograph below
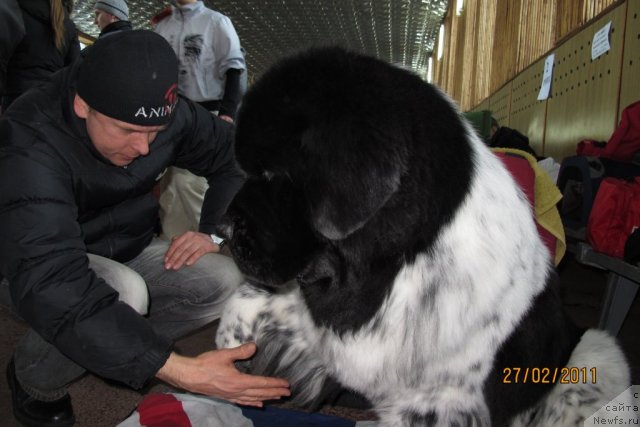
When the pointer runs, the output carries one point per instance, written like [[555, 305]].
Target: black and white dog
[[386, 248]]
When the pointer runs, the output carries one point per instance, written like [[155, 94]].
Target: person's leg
[[181, 197], [44, 372], [185, 300], [129, 284]]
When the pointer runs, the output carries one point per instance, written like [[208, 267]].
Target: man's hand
[[226, 118], [214, 374], [187, 249]]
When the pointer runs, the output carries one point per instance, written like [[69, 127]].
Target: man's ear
[[80, 107]]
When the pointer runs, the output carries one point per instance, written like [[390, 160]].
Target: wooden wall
[[584, 101], [587, 96], [527, 114], [491, 41], [630, 85]]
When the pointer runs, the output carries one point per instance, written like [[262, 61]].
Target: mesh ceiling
[[401, 32]]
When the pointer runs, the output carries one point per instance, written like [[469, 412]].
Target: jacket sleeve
[[207, 150], [43, 256], [232, 93], [72, 42]]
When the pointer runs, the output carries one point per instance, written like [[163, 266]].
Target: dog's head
[[269, 238], [329, 146]]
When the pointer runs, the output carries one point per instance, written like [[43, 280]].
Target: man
[[78, 159], [212, 69], [112, 16]]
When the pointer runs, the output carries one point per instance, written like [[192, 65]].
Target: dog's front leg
[[281, 327], [239, 319]]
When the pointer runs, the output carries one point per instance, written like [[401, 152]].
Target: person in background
[[111, 16], [505, 137], [50, 43], [11, 32], [212, 65], [77, 220]]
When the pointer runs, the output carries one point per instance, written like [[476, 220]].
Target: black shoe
[[38, 413]]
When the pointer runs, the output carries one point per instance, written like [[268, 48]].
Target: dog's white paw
[[238, 320]]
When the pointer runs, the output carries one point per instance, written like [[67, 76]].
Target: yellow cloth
[[547, 195]]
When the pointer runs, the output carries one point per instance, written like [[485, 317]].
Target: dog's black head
[[268, 236], [345, 180]]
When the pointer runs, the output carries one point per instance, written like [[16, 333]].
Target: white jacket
[[207, 46]]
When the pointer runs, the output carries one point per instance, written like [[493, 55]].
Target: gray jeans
[[176, 303]]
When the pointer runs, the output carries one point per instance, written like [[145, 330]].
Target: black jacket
[[510, 138], [59, 199], [115, 27], [36, 57], [11, 32]]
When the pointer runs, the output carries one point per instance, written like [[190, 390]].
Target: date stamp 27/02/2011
[[564, 375]]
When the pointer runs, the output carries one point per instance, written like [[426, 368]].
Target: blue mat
[[280, 417]]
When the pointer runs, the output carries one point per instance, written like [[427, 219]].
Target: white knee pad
[[129, 284]]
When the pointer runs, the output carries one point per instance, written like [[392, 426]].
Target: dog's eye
[[268, 175]]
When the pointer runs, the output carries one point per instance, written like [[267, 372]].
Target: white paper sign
[[545, 88], [600, 43]]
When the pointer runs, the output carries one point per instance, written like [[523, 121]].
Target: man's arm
[[231, 65], [214, 374], [209, 152], [232, 95]]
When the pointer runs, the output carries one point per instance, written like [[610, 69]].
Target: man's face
[[119, 142], [103, 19]]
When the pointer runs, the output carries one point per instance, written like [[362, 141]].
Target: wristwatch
[[218, 240]]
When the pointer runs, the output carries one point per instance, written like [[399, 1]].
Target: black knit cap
[[130, 76]]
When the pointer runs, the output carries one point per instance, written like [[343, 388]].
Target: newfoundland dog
[[387, 249]]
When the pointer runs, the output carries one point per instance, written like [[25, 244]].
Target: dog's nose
[[224, 228]]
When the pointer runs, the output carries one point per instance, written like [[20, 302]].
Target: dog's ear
[[350, 173]]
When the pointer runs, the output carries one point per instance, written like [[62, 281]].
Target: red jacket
[[624, 142]]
